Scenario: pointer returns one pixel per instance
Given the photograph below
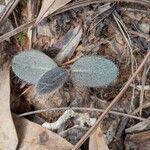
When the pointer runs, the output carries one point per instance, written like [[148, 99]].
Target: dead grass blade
[[50, 6], [8, 10], [126, 36], [89, 2], [116, 99]]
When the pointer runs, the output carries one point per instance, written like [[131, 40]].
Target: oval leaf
[[52, 80], [94, 71], [31, 65]]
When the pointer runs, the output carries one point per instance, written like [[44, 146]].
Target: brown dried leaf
[[8, 136], [138, 141], [8, 10], [33, 136], [68, 44], [97, 141], [50, 6], [141, 126]]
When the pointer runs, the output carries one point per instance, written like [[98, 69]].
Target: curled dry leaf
[[138, 141], [68, 44], [50, 6], [8, 135], [97, 141], [31, 65], [33, 136], [141, 126], [52, 80]]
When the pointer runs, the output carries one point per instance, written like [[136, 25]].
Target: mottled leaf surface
[[31, 65], [52, 80], [94, 71]]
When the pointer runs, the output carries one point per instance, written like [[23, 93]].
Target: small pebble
[[145, 27]]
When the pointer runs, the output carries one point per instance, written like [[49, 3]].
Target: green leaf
[[93, 71], [52, 80], [31, 65]]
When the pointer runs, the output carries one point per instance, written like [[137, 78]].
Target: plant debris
[[75, 74]]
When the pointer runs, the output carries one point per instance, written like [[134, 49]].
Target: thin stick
[[144, 106], [116, 99], [72, 60], [79, 108], [16, 30], [142, 90], [140, 34]]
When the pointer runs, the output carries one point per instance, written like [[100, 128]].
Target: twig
[[140, 34], [79, 108], [16, 30], [124, 8], [116, 99], [26, 90], [139, 87], [144, 106], [72, 60], [106, 14], [83, 118], [62, 120], [142, 90]]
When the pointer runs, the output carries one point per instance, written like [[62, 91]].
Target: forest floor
[[115, 116]]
